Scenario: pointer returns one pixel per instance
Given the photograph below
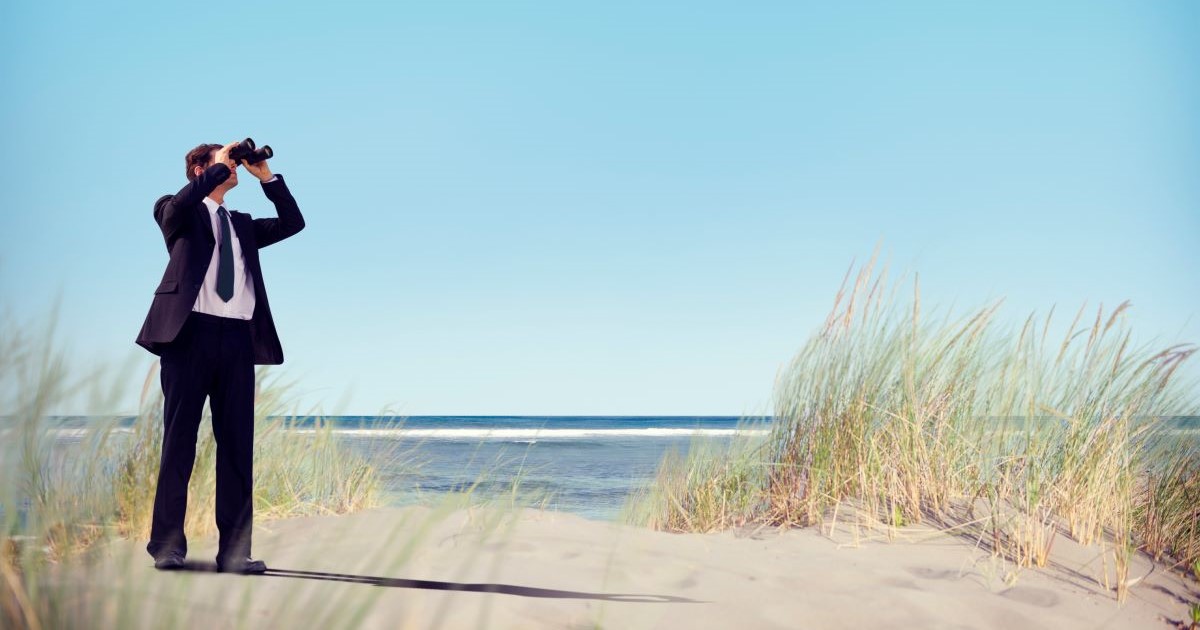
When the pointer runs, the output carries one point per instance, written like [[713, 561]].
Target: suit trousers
[[211, 357]]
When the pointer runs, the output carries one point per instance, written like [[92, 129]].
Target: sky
[[618, 208]]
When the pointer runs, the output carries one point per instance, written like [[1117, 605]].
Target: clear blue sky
[[603, 208]]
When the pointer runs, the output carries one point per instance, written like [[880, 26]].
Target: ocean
[[587, 465]]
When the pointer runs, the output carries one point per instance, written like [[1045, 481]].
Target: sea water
[[587, 465]]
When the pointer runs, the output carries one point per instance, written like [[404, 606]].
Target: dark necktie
[[225, 269]]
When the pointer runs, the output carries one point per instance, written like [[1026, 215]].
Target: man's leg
[[233, 428], [184, 374]]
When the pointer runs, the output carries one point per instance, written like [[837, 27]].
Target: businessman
[[210, 324]]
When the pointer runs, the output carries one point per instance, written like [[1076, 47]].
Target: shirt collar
[[212, 206]]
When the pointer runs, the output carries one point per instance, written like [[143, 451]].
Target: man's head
[[201, 158]]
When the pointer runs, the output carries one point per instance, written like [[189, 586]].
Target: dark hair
[[199, 157]]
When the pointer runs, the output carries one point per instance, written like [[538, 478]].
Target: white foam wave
[[70, 433], [538, 434]]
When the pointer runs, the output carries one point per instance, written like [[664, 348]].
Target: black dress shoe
[[244, 566], [169, 561]]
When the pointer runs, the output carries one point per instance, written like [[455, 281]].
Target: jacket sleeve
[[289, 222], [172, 212]]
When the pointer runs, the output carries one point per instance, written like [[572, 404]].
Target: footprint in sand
[[687, 582], [934, 574], [902, 583], [1029, 595]]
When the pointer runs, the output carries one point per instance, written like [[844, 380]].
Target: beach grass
[[1007, 434], [712, 486]]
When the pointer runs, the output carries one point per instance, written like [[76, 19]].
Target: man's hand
[[222, 156], [260, 170]]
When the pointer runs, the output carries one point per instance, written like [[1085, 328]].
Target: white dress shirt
[[241, 305]]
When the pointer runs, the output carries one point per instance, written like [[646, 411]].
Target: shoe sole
[[242, 571]]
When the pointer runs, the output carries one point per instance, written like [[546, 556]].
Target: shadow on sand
[[504, 589]]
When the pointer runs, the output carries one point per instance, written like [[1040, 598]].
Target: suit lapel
[[239, 228], [243, 226], [205, 220]]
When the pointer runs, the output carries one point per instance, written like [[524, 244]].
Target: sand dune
[[419, 567]]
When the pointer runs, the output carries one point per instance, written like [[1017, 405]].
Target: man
[[210, 324]]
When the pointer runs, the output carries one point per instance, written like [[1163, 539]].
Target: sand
[[420, 567]]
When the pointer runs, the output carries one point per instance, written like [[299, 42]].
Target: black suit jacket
[[187, 230]]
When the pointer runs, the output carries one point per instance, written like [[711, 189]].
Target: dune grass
[[1010, 434], [714, 485]]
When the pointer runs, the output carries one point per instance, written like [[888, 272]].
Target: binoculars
[[245, 150]]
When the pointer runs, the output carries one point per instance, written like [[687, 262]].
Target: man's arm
[[172, 212], [290, 221]]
